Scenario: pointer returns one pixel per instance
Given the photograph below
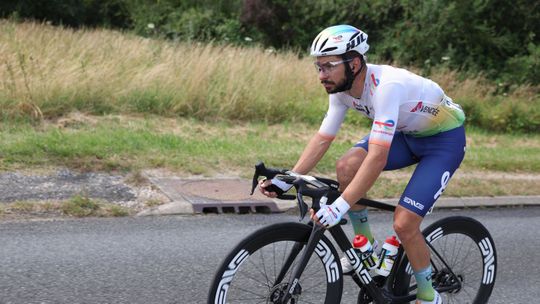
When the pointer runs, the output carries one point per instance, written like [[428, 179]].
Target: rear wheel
[[463, 259], [259, 268]]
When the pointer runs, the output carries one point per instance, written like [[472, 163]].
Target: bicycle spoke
[[243, 274], [264, 267], [261, 272], [259, 296]]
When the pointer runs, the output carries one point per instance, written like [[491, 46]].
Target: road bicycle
[[295, 262]]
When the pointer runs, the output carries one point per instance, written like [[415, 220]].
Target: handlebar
[[318, 188]]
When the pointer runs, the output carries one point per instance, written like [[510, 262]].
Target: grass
[[49, 72], [77, 206], [131, 144], [100, 100]]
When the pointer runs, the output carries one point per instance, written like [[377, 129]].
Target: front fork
[[341, 239], [316, 234]]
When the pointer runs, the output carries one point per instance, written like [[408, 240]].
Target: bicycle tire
[[449, 236], [239, 274]]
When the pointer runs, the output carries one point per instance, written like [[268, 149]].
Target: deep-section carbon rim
[[468, 256], [249, 273]]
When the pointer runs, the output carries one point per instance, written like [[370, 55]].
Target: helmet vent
[[314, 48], [323, 44], [329, 49]]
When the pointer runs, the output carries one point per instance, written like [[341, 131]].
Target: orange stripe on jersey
[[378, 142], [326, 136]]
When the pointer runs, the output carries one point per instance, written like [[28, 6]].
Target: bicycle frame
[[364, 280]]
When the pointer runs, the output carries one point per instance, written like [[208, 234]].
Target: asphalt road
[[173, 259]]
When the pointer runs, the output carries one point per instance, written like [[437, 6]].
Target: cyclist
[[414, 122]]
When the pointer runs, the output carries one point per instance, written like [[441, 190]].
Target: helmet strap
[[349, 77]]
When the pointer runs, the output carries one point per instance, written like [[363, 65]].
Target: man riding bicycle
[[414, 122]]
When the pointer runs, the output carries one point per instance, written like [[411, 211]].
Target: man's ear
[[355, 64]]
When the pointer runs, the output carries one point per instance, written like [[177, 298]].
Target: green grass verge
[[193, 147], [189, 147], [77, 206]]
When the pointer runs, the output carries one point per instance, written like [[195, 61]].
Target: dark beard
[[340, 87]]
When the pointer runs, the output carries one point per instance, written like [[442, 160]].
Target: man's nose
[[323, 75]]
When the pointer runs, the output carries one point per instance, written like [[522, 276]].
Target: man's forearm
[[314, 151]]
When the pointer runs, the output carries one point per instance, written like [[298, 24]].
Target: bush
[[494, 37]]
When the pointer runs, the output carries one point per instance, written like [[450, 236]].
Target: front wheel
[[259, 268], [463, 259]]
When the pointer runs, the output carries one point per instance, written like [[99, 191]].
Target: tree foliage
[[497, 38]]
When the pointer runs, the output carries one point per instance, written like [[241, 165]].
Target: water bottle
[[362, 244], [388, 256]]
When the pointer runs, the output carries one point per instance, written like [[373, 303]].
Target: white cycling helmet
[[338, 40]]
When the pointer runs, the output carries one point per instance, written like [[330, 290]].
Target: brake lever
[[260, 170]]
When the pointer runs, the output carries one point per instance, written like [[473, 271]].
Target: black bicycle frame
[[364, 280], [380, 295]]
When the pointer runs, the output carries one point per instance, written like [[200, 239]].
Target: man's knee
[[406, 228], [342, 167], [349, 163]]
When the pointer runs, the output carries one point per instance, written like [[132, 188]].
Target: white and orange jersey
[[396, 100]]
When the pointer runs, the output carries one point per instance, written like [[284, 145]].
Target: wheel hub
[[277, 292], [446, 279]]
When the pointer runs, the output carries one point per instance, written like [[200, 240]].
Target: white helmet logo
[[359, 39]]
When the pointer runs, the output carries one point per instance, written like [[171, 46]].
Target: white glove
[[281, 184], [330, 215]]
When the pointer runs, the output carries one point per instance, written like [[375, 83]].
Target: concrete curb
[[231, 195]]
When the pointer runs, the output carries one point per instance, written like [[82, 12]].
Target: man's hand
[[273, 187], [330, 215]]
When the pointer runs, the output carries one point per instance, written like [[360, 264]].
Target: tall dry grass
[[48, 71]]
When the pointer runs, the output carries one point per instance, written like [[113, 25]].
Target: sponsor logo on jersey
[[420, 107], [375, 81], [386, 125], [413, 203], [361, 108]]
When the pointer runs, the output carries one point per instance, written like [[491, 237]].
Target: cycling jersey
[[416, 120], [396, 100]]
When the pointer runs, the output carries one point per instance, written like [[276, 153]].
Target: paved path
[[172, 259]]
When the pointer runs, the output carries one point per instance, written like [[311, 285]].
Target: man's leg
[[346, 168], [440, 156], [407, 227]]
